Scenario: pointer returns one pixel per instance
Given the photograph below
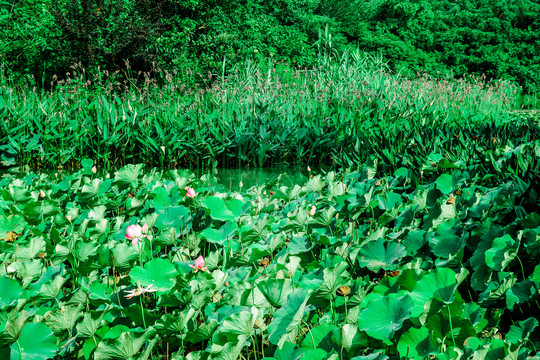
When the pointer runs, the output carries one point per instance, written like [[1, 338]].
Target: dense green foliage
[[497, 38], [366, 264], [339, 114], [44, 38]]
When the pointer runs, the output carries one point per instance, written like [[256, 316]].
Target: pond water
[[288, 176]]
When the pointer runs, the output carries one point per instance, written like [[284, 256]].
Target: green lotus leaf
[[520, 293], [223, 210], [315, 354], [115, 332], [96, 188], [87, 164], [503, 250], [497, 287], [288, 351], [276, 290], [349, 339], [12, 223], [164, 198], [444, 240], [50, 290], [314, 184], [173, 217], [414, 240], [376, 256], [521, 330], [36, 342], [417, 343], [159, 273], [476, 315], [34, 211], [126, 346], [238, 324], [284, 325], [17, 194], [203, 332], [374, 356], [445, 184], [10, 291], [29, 270], [439, 284], [91, 322], [228, 351], [389, 200], [124, 256], [176, 322], [299, 244], [220, 236], [334, 276], [381, 318], [319, 337], [127, 175], [64, 318], [443, 327]]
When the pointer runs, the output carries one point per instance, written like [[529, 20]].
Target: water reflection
[[288, 176]]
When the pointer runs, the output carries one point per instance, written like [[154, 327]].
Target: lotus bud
[[94, 169], [199, 265], [240, 184], [312, 210], [68, 218], [144, 229], [42, 193], [308, 169]]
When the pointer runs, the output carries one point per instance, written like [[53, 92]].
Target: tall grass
[[343, 111]]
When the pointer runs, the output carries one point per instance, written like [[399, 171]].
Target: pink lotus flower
[[41, 193], [312, 210], [199, 265], [191, 193], [134, 233], [139, 291]]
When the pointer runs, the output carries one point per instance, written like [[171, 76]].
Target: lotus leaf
[[384, 316]]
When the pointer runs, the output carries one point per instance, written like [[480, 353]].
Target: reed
[[342, 112]]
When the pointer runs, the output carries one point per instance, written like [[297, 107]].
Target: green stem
[[451, 328], [20, 352], [142, 312], [521, 264], [310, 334], [332, 311], [255, 347]]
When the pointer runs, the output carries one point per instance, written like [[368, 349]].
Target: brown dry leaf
[[343, 291], [264, 262], [11, 236]]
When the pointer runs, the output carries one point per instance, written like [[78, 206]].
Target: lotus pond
[[356, 264]]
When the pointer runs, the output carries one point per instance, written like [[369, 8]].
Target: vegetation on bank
[[340, 113]]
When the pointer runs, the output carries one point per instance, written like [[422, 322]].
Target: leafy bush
[[498, 39]]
